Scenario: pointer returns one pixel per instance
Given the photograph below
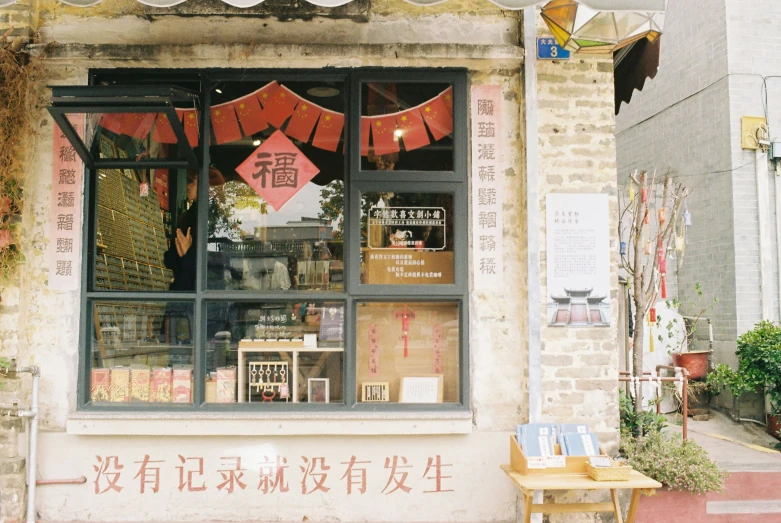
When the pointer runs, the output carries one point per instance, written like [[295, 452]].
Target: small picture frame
[[318, 390], [375, 392], [422, 389]]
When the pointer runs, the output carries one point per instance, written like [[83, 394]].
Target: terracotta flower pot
[[695, 362], [774, 426]]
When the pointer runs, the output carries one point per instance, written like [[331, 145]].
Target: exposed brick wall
[[679, 123], [12, 484], [577, 154]]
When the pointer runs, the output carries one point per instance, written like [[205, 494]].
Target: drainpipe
[[32, 436], [532, 224], [763, 209]]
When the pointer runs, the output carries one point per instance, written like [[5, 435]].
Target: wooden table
[[529, 483]]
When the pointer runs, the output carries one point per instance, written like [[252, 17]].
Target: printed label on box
[[536, 463], [556, 461]]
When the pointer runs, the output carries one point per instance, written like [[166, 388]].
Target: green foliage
[[225, 200], [332, 203], [677, 464], [4, 362], [759, 356], [632, 422], [690, 327]]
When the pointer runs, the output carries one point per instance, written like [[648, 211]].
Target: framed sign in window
[[421, 389]]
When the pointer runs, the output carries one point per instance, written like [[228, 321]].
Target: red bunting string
[[276, 104]]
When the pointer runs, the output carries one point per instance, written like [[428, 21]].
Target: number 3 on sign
[[548, 49]]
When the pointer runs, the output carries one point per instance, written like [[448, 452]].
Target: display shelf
[[288, 352]]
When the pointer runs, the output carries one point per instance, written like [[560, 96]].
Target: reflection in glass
[[398, 343], [275, 223], [407, 238], [142, 352], [407, 126], [275, 352]]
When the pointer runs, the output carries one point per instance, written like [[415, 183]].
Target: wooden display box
[[573, 464]]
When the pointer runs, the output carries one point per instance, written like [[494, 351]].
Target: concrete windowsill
[[268, 424]]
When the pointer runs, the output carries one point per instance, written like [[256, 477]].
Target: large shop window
[[290, 241]]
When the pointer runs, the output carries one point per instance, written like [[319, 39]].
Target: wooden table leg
[[616, 505], [528, 497], [630, 515]]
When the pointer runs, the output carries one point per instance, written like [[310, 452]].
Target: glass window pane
[[275, 352], [407, 238], [408, 352], [406, 126], [276, 210], [141, 352], [140, 212], [137, 136]]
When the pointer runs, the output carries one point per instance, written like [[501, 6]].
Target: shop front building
[[290, 263]]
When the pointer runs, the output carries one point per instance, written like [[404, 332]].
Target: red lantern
[[652, 315]]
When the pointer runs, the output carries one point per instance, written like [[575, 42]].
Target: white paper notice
[[487, 186], [578, 253], [536, 463], [556, 461]]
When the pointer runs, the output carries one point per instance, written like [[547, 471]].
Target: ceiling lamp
[[582, 29]]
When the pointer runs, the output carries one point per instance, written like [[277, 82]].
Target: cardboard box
[[182, 386], [572, 464], [100, 389], [161, 385]]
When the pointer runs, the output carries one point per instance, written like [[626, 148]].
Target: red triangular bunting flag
[[365, 131], [280, 105], [413, 131], [225, 124], [129, 122], [329, 130], [189, 119], [447, 97], [264, 93], [163, 132], [383, 137], [303, 121], [147, 120], [111, 122], [438, 117], [250, 114]]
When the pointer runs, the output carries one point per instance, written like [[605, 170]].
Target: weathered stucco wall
[[577, 154]]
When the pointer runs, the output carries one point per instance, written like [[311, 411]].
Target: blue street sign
[[548, 49]]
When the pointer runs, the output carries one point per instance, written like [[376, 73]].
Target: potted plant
[[696, 362], [759, 370]]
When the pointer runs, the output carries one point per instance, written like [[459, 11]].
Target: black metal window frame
[[356, 181]]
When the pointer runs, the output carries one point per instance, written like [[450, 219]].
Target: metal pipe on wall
[[32, 438]]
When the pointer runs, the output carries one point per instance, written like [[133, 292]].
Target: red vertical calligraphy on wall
[[65, 233], [272, 474], [187, 475], [396, 477], [355, 476], [108, 472], [435, 466], [308, 468], [231, 476], [148, 475]]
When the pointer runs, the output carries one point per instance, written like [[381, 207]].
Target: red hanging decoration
[[646, 218], [652, 315], [644, 194], [663, 290], [662, 267], [662, 216]]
